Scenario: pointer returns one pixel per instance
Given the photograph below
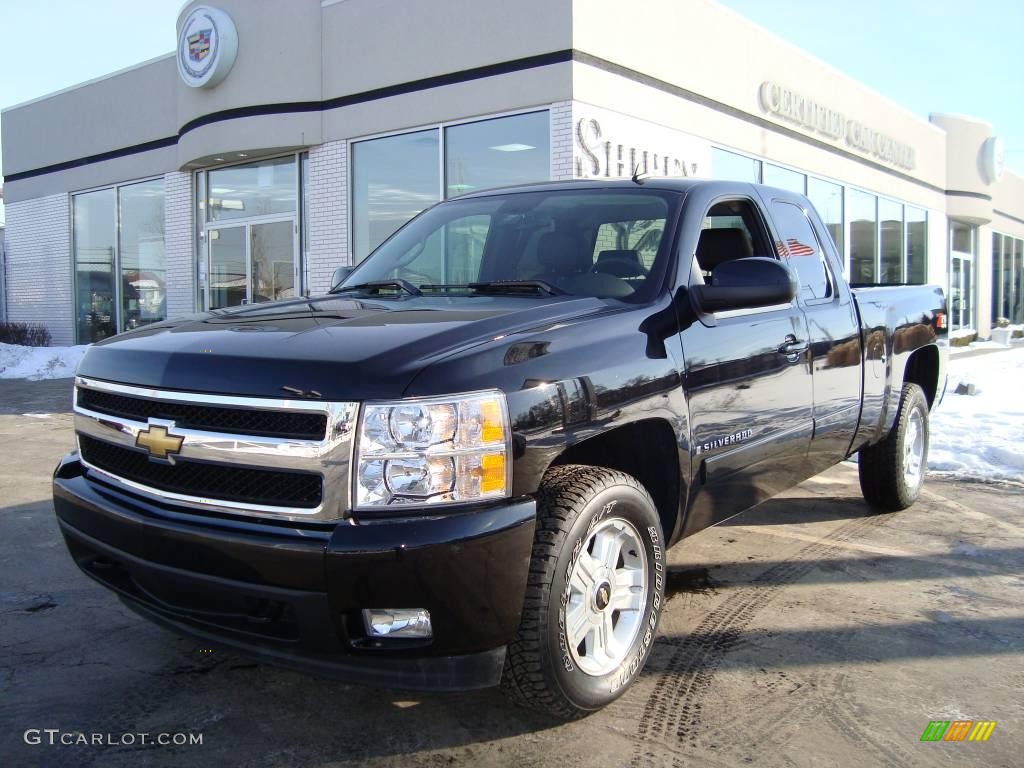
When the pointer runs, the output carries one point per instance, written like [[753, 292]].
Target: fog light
[[398, 622]]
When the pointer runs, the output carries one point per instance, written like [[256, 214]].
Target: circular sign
[[207, 44], [992, 157]]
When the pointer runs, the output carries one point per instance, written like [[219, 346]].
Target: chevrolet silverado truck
[[463, 466]]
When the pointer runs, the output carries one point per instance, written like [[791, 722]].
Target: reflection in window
[[393, 179], [891, 240], [863, 236], [262, 188], [917, 245], [94, 231], [143, 271], [800, 248], [828, 201], [729, 166], [783, 178], [497, 153]]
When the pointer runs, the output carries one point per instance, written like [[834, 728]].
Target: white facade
[[338, 121]]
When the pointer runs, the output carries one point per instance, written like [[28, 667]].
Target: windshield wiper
[[499, 286], [377, 285], [517, 286]]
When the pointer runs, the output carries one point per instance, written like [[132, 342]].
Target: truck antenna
[[638, 176]]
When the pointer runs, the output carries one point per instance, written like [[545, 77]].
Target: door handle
[[793, 346]]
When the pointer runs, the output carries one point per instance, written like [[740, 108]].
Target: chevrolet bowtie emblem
[[159, 444]]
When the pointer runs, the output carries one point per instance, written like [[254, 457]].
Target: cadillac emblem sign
[[199, 45], [207, 44]]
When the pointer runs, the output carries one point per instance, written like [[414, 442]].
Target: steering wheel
[[619, 268]]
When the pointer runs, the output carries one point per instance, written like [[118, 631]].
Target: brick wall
[[39, 269], [328, 214], [561, 141], [179, 236]]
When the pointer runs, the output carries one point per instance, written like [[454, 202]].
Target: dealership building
[[281, 140]]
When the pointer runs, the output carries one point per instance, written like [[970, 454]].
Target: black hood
[[339, 347]]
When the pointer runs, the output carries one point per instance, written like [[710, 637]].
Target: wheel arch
[[923, 368], [648, 450]]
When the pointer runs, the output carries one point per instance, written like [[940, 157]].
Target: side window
[[732, 230], [799, 246]]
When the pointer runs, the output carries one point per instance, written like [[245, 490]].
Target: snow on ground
[[981, 436], [17, 362]]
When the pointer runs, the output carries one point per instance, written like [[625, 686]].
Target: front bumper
[[293, 595]]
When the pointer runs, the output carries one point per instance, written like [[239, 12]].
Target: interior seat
[[720, 245]]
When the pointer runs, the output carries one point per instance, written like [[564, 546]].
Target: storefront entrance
[[249, 236], [251, 262]]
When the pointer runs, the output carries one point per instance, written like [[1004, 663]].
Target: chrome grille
[[243, 484], [218, 418], [277, 475]]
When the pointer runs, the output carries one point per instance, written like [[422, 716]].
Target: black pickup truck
[[463, 466]]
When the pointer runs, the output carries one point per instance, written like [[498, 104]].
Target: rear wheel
[[892, 471], [594, 595]]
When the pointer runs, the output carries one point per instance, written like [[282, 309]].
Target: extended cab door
[[747, 373], [833, 328]]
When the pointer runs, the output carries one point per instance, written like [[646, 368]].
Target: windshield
[[579, 242]]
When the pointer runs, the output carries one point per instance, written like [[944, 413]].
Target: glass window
[[620, 240], [961, 293], [262, 188], [860, 208], [917, 244], [828, 201], [1018, 270], [800, 247], [783, 178], [1007, 281], [961, 237], [729, 166], [955, 293], [890, 240], [998, 280], [497, 153], [393, 179], [270, 260], [552, 237], [141, 252], [227, 277], [95, 222]]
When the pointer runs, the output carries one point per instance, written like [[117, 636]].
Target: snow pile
[[981, 436], [17, 362]]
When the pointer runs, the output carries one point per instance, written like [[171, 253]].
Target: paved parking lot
[[804, 633]]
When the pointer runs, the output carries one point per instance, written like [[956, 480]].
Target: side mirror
[[746, 284], [339, 276]]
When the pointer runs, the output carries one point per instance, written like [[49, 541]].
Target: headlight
[[429, 451]]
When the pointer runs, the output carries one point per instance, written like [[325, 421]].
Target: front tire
[[892, 471], [594, 594]]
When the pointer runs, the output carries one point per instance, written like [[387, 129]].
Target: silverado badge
[[158, 443]]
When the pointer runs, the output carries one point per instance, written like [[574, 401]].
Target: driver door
[[747, 379]]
